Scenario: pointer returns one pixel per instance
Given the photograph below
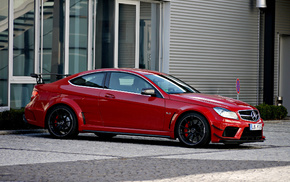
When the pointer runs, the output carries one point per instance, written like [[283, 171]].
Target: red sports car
[[111, 102]]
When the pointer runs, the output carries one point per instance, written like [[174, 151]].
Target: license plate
[[256, 126]]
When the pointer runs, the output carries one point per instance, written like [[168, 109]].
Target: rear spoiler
[[39, 80]]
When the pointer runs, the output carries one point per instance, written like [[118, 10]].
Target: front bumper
[[236, 132], [239, 141]]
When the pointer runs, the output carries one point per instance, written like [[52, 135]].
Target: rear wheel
[[62, 122], [192, 130]]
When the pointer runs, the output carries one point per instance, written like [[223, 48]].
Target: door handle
[[111, 96]]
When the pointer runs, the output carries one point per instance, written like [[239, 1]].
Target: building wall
[[282, 27], [212, 43], [208, 44]]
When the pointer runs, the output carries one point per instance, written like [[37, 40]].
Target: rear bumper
[[30, 116], [24, 119]]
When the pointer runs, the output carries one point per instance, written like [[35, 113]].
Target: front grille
[[250, 115], [251, 135], [230, 131]]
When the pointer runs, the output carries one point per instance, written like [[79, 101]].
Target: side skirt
[[132, 134]]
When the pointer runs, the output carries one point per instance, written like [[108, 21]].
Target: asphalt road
[[33, 156]]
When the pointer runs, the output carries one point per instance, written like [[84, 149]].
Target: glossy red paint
[[117, 111]]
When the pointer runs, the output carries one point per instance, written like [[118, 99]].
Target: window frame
[[137, 30]]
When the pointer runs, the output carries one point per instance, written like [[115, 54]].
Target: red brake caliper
[[55, 121], [186, 130]]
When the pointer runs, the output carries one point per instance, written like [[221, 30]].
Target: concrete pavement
[[272, 174], [32, 155]]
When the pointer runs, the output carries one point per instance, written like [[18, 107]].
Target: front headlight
[[226, 113]]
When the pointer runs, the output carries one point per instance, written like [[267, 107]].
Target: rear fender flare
[[70, 103]]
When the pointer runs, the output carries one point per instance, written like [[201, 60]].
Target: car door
[[122, 104], [88, 88]]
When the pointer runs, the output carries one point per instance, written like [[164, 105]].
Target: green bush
[[268, 112], [13, 119], [281, 112]]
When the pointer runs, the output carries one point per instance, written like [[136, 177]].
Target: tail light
[[34, 94]]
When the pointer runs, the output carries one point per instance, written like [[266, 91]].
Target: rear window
[[90, 80]]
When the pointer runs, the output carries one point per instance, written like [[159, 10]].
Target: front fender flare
[[198, 109]]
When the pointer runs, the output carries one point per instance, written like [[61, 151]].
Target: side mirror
[[148, 91]]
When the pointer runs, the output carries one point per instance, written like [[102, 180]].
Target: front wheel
[[192, 130], [62, 122]]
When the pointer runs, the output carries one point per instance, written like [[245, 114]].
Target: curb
[[276, 121], [8, 132]]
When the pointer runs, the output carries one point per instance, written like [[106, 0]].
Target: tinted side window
[[91, 80], [127, 82]]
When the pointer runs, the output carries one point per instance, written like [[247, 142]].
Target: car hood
[[211, 101]]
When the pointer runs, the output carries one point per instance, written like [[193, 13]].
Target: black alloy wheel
[[193, 130], [62, 122]]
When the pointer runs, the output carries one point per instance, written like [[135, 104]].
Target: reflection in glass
[[4, 53], [20, 95], [53, 34], [23, 41], [104, 34], [47, 38], [78, 36], [149, 36]]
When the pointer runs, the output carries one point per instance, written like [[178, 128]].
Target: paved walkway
[[279, 174]]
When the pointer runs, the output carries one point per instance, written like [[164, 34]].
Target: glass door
[[126, 47]]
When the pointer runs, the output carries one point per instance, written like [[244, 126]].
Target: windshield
[[171, 85]]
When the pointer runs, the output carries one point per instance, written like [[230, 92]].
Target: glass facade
[[104, 52], [58, 36], [149, 36], [23, 38], [20, 95], [52, 38], [46, 38], [4, 53], [78, 36]]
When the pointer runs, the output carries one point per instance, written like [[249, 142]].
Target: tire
[[62, 122], [105, 135], [193, 130]]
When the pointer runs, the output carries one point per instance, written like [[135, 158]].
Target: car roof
[[130, 70]]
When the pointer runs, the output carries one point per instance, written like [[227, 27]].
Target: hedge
[[271, 112], [13, 119]]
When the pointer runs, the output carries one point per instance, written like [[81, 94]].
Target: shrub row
[[13, 119], [269, 112]]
